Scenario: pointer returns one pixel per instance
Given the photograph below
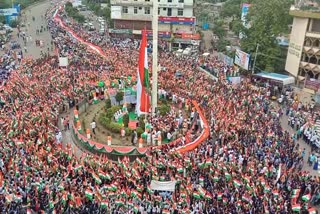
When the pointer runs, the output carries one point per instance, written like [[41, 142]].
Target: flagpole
[[154, 95]]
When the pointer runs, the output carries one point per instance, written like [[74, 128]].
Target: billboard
[[177, 20], [244, 13], [116, 12], [242, 59], [120, 31], [9, 12]]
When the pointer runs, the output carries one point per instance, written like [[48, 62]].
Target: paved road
[[37, 11], [207, 40]]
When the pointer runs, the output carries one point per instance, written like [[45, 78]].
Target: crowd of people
[[249, 164]]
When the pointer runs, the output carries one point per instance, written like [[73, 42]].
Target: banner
[[163, 185], [161, 34], [242, 59], [177, 20], [63, 61], [244, 13], [313, 84], [121, 31]]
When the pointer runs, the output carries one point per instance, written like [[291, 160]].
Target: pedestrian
[[93, 127]]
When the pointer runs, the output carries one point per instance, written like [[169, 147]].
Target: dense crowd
[[249, 164]]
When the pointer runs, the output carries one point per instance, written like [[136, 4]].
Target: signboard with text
[[187, 36], [121, 31], [161, 34], [171, 5], [177, 20], [312, 84], [9, 12]]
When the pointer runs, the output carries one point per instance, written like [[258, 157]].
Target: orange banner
[[190, 36]]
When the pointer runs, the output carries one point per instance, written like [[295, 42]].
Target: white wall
[[297, 37]]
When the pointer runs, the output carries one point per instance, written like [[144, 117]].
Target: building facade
[[176, 18], [303, 58]]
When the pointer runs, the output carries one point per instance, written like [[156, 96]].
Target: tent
[[284, 79]]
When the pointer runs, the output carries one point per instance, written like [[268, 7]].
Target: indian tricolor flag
[[296, 208], [236, 183], [89, 194], [312, 210], [104, 204], [306, 197], [143, 98]]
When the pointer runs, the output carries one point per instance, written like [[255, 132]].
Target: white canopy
[[285, 79], [206, 54]]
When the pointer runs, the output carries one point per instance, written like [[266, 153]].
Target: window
[[180, 12], [169, 1], [158, 11], [181, 1], [135, 10], [124, 9], [147, 10], [147, 0], [169, 12]]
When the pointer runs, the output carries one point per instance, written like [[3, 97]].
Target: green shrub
[[108, 103], [128, 131], [115, 127], [119, 96], [13, 23], [125, 120], [164, 109], [141, 122], [140, 131], [111, 111], [105, 121]]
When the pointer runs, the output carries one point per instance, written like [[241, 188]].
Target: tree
[[232, 9], [125, 120], [108, 103], [268, 19], [2, 19], [119, 96]]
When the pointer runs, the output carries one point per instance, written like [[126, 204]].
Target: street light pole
[[255, 58], [154, 96]]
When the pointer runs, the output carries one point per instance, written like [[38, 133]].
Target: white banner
[[242, 59], [63, 61], [163, 185], [116, 12]]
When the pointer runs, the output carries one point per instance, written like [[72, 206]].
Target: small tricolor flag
[[236, 183], [296, 208], [312, 210], [306, 197], [89, 194]]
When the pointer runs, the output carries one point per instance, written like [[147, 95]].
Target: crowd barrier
[[95, 147], [99, 148]]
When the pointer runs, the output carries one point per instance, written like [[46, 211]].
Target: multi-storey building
[[176, 19], [303, 59]]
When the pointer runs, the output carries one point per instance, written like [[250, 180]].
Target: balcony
[[313, 34], [150, 3], [131, 3], [136, 17]]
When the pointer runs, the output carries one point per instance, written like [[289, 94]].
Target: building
[[176, 19], [303, 58]]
